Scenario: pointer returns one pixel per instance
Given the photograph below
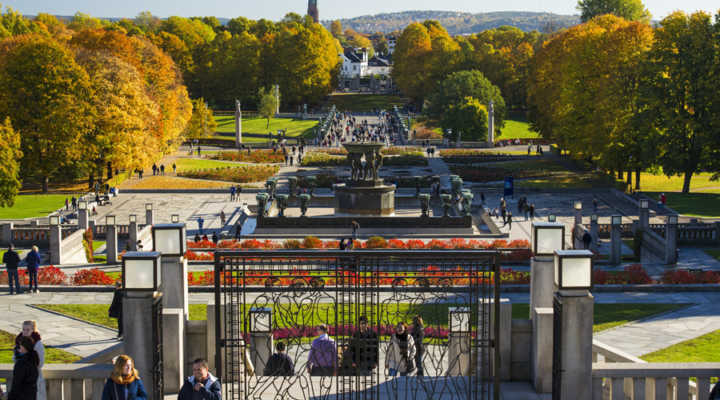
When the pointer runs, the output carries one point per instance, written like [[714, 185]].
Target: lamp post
[[644, 214], [671, 229], [261, 337], [615, 239], [170, 241], [55, 240], [83, 220], [132, 232], [141, 271], [459, 341], [149, 214], [111, 240], [594, 228], [573, 324], [578, 212], [175, 219], [552, 218]]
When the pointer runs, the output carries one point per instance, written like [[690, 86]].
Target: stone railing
[[699, 233], [656, 381], [100, 231], [605, 229], [69, 381]]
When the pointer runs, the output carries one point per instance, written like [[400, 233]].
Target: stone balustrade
[[69, 381]]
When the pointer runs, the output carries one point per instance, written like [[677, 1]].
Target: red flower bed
[[49, 275], [633, 274], [687, 277], [91, 277]]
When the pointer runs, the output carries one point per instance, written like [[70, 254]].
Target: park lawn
[[715, 253], [98, 257], [517, 129], [365, 102], [189, 164], [705, 348], [658, 182], [173, 182], [703, 205], [34, 205], [295, 127], [609, 316], [567, 180], [52, 356]]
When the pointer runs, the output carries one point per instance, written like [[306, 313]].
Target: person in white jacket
[[29, 329], [400, 356]]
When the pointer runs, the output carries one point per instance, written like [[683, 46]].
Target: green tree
[[468, 118], [631, 10], [202, 123], [82, 21], [10, 155], [267, 105]]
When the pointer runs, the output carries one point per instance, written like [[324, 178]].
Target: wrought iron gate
[[557, 368], [453, 291], [157, 332]]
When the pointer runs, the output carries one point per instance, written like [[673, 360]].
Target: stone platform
[[365, 200]]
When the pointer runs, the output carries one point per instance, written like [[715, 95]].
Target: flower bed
[[241, 174], [400, 151], [633, 274], [49, 275], [255, 156], [485, 174], [680, 277]]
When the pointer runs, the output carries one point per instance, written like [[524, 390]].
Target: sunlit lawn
[[705, 348], [33, 205], [52, 356], [517, 129], [658, 182], [704, 205], [295, 127]]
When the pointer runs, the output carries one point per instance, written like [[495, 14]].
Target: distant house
[[379, 66], [355, 63], [392, 42]]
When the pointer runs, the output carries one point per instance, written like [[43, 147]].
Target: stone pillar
[[238, 124], [459, 354], [225, 376], [133, 235], [578, 217], [261, 348], [572, 337], [6, 234], [83, 220], [504, 344], [173, 349], [149, 217], [644, 219], [615, 245], [111, 244], [542, 281], [138, 340], [541, 353], [175, 283], [594, 228], [671, 243], [491, 124], [55, 244]]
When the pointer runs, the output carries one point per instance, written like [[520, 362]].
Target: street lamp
[[547, 238], [169, 239], [141, 271], [175, 219], [578, 205], [459, 319], [594, 218], [54, 220], [148, 206], [672, 219], [573, 269], [260, 320], [644, 204], [110, 220], [616, 220], [133, 218], [82, 205]]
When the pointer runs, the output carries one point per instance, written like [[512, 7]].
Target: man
[[365, 346], [279, 363], [11, 261], [33, 261], [200, 222], [587, 240], [323, 354], [355, 228], [202, 385]]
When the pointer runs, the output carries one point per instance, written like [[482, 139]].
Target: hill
[[460, 23]]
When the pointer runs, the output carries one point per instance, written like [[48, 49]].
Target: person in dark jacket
[[365, 347], [25, 372], [33, 261], [115, 310], [124, 382], [279, 363], [418, 334], [202, 385], [11, 261]]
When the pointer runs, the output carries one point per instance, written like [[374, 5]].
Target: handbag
[[409, 365]]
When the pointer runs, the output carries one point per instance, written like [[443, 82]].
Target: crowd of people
[[12, 261], [346, 128]]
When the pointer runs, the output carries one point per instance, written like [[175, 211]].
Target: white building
[[392, 42], [355, 63], [379, 66]]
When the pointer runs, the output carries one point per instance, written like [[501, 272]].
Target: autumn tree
[[410, 71], [267, 104], [467, 119], [631, 10], [336, 29], [10, 155], [202, 123]]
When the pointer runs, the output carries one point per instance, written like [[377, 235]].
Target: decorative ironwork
[[307, 288], [557, 349], [157, 332]]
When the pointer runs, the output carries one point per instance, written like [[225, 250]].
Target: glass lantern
[[141, 271], [54, 220], [260, 320], [459, 319], [547, 238], [133, 218], [169, 239], [82, 205], [110, 220], [573, 269]]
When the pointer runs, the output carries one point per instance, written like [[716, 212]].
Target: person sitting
[[196, 239], [279, 363], [202, 385]]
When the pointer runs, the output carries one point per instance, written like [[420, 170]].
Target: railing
[[659, 381], [604, 230], [69, 381], [100, 231]]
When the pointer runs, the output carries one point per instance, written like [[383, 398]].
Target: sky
[[329, 9]]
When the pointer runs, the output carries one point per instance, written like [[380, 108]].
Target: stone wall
[[365, 222], [521, 336]]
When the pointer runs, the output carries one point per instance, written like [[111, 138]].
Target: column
[[139, 341], [55, 244], [615, 241], [83, 220], [503, 344], [541, 355], [491, 124], [594, 228], [572, 345], [644, 219], [111, 243], [671, 240], [149, 217], [133, 235], [173, 323], [459, 342], [238, 124], [541, 282], [6, 233], [175, 283]]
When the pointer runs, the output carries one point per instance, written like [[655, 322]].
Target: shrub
[[88, 245], [376, 242], [312, 242], [242, 174], [400, 151], [686, 277], [292, 244], [255, 156], [316, 159], [51, 275], [91, 277]]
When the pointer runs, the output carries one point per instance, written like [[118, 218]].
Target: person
[[32, 259], [11, 261], [199, 149], [715, 393], [155, 169], [365, 346], [29, 330], [196, 239], [418, 334], [174, 169], [239, 191], [323, 354], [139, 245], [222, 218], [663, 199], [162, 169], [73, 202], [508, 221], [355, 227], [67, 204], [202, 385], [215, 238], [232, 193], [124, 381], [401, 352], [342, 244], [279, 363], [115, 310], [205, 238], [503, 212], [587, 239], [532, 211], [25, 372], [200, 222]]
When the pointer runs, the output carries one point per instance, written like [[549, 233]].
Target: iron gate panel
[[557, 368], [157, 332], [335, 288]]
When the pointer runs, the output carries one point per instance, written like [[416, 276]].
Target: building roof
[[378, 62], [352, 55]]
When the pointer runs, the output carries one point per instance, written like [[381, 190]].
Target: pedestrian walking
[[25, 372], [202, 385], [30, 330], [174, 169], [67, 204], [124, 382], [532, 211], [199, 150], [155, 169], [238, 192], [215, 238], [418, 334], [322, 359], [355, 228], [503, 213], [33, 260], [232, 193], [587, 239], [73, 202], [400, 356], [508, 221], [162, 169], [279, 363], [116, 309], [365, 348], [11, 261], [222, 218], [200, 222]]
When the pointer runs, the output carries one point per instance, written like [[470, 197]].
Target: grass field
[[52, 356], [658, 182], [517, 129], [34, 205], [365, 102], [705, 348], [715, 253], [704, 205], [189, 164], [295, 127]]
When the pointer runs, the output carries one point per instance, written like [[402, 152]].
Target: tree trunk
[[109, 170], [91, 181], [637, 179], [628, 181], [45, 181], [686, 183], [268, 124], [620, 174]]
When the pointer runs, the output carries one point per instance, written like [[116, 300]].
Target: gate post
[[615, 240], [505, 346], [671, 239], [546, 238], [111, 240], [138, 323]]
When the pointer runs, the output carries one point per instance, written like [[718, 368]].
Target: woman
[[25, 372], [418, 335], [33, 261], [115, 310], [124, 382], [30, 331], [401, 352]]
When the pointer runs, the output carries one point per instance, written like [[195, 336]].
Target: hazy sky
[[275, 9]]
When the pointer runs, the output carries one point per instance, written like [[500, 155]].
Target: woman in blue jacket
[[124, 382], [33, 261]]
